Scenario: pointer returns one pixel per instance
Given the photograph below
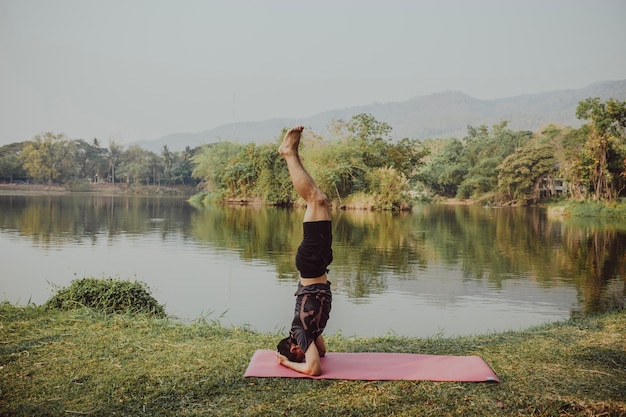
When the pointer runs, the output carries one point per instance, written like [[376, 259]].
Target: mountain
[[445, 114]]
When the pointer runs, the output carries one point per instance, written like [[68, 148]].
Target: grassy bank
[[615, 210], [82, 362]]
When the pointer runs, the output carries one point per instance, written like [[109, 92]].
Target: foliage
[[483, 152], [135, 165], [603, 155], [178, 166], [480, 179], [591, 208], [445, 170], [406, 157], [106, 295], [523, 167], [359, 159], [77, 363], [89, 160], [468, 168], [490, 163], [369, 140], [389, 188], [337, 170], [55, 159], [210, 159], [47, 157], [522, 173], [11, 166], [114, 156]]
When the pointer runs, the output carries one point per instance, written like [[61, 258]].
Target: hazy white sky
[[137, 69]]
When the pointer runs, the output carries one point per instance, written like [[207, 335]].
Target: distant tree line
[[358, 165], [55, 159]]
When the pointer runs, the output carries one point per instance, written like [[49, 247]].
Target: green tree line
[[357, 164], [503, 166], [54, 159]]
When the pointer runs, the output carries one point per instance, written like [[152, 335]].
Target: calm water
[[440, 270]]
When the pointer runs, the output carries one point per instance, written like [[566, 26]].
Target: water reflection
[[442, 262], [51, 220]]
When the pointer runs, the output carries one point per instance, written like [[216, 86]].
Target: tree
[[370, 139], [407, 156], [89, 159], [114, 155], [46, 158], [169, 159], [480, 178], [135, 165], [603, 155], [445, 170], [240, 174], [567, 143], [11, 166], [389, 188], [211, 160], [182, 167], [484, 150], [522, 173], [337, 170], [273, 184], [156, 168]]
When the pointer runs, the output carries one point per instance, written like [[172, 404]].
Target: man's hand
[[281, 358]]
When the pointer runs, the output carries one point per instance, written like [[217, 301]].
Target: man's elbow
[[313, 370]]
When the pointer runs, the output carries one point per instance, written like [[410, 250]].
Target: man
[[302, 349]]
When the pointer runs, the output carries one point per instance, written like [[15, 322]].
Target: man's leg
[[305, 186]]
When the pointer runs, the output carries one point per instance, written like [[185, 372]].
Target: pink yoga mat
[[375, 366]]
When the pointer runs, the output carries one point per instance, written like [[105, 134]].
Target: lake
[[436, 271]]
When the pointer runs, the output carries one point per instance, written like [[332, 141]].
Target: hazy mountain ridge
[[445, 114]]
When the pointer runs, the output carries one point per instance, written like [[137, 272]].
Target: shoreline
[[100, 189]]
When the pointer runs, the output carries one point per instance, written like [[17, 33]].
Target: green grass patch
[[107, 295], [85, 362], [590, 208]]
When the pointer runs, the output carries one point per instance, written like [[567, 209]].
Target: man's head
[[292, 351]]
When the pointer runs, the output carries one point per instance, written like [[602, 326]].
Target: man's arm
[[310, 366], [321, 346]]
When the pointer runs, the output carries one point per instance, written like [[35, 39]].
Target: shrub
[[107, 295]]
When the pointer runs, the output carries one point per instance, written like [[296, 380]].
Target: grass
[[85, 362], [589, 208], [108, 296]]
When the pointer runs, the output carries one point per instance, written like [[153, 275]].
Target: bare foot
[[291, 141]]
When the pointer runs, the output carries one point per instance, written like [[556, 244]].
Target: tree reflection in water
[[489, 245]]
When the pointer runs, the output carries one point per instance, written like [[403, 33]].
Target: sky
[[130, 70]]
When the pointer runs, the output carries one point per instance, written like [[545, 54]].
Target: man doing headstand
[[302, 349]]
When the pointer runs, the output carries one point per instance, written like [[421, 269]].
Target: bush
[[107, 295]]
